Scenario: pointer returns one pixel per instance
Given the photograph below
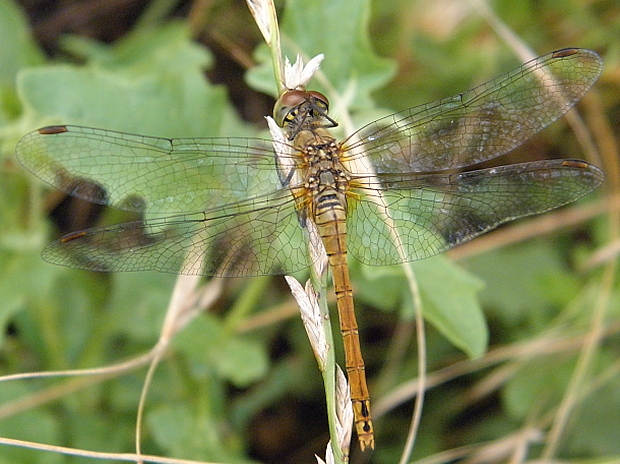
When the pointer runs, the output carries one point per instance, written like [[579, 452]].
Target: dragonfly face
[[394, 191], [298, 110]]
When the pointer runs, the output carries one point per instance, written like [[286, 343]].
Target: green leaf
[[450, 303], [138, 304], [191, 433], [23, 279], [449, 299], [382, 287], [594, 427], [165, 104], [17, 50], [168, 48], [351, 67], [210, 347], [533, 280], [152, 84], [541, 382], [34, 425]]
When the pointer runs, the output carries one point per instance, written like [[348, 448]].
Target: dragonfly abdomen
[[330, 219]]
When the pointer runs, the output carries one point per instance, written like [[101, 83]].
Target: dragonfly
[[402, 188]]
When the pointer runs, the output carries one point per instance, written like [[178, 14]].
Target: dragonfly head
[[298, 110]]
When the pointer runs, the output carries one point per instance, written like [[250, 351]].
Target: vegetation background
[[538, 377]]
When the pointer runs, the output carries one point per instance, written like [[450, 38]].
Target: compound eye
[[287, 103], [320, 100]]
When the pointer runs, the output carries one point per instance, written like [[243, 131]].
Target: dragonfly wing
[[483, 122], [139, 173], [417, 216], [260, 236]]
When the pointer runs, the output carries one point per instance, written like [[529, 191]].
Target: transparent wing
[[260, 236], [421, 215], [138, 173], [250, 226], [481, 123]]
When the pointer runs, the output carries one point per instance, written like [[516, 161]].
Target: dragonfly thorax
[[324, 179]]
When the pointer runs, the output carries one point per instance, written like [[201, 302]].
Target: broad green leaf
[[92, 427], [210, 347], [540, 383], [594, 427], [350, 70], [450, 303], [166, 104], [23, 279], [23, 276], [32, 425], [151, 84], [383, 287], [192, 432], [449, 299], [138, 304], [17, 51], [163, 49], [533, 281]]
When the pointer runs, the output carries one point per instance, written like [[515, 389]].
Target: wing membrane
[[483, 122], [237, 220], [157, 174], [261, 236], [429, 213]]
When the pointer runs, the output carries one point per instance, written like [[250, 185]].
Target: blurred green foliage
[[213, 396]]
